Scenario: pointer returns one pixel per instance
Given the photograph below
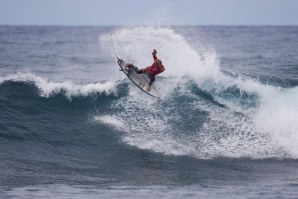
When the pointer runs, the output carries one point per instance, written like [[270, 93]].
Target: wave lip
[[48, 88]]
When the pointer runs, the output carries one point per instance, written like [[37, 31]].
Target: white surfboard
[[140, 80]]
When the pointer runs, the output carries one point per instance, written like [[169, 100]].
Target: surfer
[[152, 70]]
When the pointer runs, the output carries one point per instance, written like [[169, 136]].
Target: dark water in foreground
[[225, 125]]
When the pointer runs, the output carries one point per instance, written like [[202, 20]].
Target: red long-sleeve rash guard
[[153, 70]]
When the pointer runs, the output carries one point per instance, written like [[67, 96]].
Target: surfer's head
[[158, 62]]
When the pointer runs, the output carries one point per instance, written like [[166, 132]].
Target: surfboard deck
[[140, 80]]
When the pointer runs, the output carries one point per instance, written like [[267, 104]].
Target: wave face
[[75, 119]]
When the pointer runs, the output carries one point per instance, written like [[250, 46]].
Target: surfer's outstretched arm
[[154, 52]]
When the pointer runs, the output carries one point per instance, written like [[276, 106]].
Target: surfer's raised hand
[[154, 52]]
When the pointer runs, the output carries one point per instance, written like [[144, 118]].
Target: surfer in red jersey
[[152, 70]]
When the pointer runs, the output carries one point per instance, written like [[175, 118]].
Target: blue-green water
[[73, 126]]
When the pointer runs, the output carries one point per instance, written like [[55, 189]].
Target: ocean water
[[73, 126]]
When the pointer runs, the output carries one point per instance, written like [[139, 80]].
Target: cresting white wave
[[268, 129], [48, 88]]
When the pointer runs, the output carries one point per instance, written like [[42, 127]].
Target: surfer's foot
[[148, 89]]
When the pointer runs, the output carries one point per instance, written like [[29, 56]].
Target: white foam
[[275, 115], [111, 120], [278, 115], [48, 88]]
